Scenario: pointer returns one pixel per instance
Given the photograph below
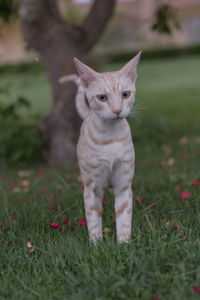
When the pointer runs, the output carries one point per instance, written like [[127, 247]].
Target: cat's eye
[[126, 94], [102, 97]]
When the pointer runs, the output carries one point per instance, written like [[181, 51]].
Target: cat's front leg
[[93, 210], [123, 213], [122, 180]]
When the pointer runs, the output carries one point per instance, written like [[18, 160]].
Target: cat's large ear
[[86, 73], [130, 69]]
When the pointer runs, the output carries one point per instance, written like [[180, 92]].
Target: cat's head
[[111, 94]]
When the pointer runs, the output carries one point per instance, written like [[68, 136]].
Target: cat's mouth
[[118, 118]]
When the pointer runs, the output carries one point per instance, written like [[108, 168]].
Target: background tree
[[57, 41]]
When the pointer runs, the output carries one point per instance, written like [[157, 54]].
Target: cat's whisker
[[137, 110]]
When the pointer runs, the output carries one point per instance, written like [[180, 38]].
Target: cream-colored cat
[[105, 148]]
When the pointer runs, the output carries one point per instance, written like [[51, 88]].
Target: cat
[[105, 149]]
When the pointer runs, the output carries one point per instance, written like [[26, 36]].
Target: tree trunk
[[61, 125], [57, 42]]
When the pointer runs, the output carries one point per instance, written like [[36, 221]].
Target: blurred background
[[38, 42], [133, 27]]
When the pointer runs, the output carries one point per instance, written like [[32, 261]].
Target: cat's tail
[[81, 106]]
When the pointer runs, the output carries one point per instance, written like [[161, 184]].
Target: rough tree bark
[[57, 42]]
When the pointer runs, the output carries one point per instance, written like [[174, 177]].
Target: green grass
[[159, 261], [28, 81]]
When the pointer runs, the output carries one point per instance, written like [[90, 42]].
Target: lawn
[[162, 259]]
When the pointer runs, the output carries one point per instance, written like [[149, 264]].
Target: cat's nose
[[117, 112]]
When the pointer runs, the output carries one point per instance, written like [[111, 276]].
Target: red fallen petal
[[138, 198], [82, 187], [196, 289], [41, 174], [185, 157], [12, 218], [55, 225], [6, 260], [177, 228], [196, 182], [185, 195], [52, 196], [82, 222], [127, 268], [177, 188], [4, 230], [185, 237], [105, 201]]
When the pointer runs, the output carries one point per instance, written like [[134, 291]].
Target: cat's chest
[[112, 152], [105, 149]]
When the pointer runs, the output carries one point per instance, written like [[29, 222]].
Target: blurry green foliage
[[19, 138], [166, 18], [152, 53], [8, 9], [73, 15]]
